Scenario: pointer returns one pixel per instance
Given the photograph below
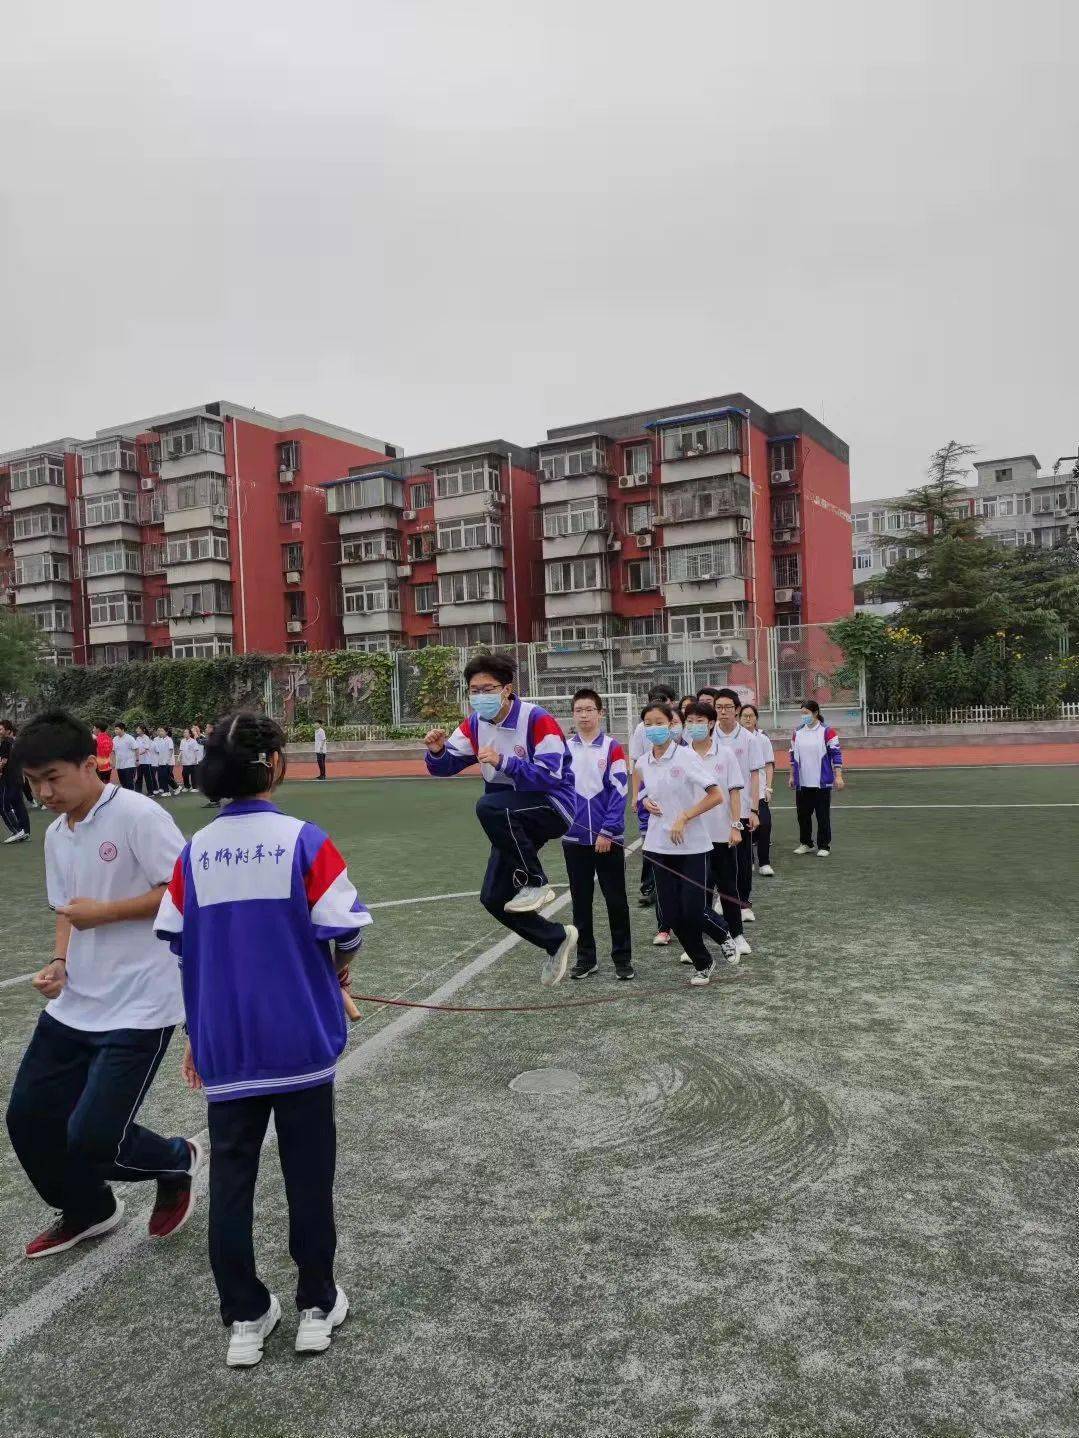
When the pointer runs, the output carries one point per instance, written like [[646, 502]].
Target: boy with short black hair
[[12, 804], [113, 1002], [124, 752], [528, 799]]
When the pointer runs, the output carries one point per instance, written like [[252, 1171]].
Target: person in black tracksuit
[[594, 846]]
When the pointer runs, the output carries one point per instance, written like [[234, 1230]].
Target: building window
[[288, 455], [296, 607], [470, 587], [376, 596], [639, 518], [863, 559], [118, 608], [861, 524], [575, 631], [288, 507], [688, 441], [384, 545], [989, 508], [42, 569], [792, 686], [575, 575], [709, 498], [590, 458], [639, 575], [196, 436], [36, 473], [469, 534], [708, 621], [786, 571], [119, 508], [49, 618], [292, 558], [421, 546], [785, 513], [190, 600], [424, 598], [296, 646], [368, 643], [197, 491], [695, 562], [419, 495], [107, 455], [153, 558], [375, 491], [37, 523], [202, 648], [116, 558], [467, 636], [196, 544], [789, 624], [466, 476], [638, 459], [781, 455], [1002, 476], [578, 516], [161, 609]]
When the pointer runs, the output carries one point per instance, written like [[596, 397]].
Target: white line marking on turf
[[1067, 804], [18, 979], [42, 1306]]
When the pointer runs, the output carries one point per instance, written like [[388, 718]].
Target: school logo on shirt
[[678, 773], [108, 851], [520, 750]]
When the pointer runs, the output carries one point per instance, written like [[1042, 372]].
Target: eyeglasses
[[724, 708], [487, 689]]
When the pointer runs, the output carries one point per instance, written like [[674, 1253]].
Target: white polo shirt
[[123, 751], [189, 751], [144, 749], [320, 740], [677, 781], [164, 751], [723, 766], [119, 976], [741, 744]]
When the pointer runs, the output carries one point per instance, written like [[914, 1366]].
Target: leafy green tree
[[20, 652]]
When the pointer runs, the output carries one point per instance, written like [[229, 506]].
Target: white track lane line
[[41, 1308], [1068, 804]]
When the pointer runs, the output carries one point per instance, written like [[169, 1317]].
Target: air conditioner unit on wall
[[294, 626], [784, 596], [723, 651], [408, 514], [645, 540], [403, 571], [147, 481], [626, 481], [292, 576], [285, 476], [782, 476], [639, 479], [221, 511]]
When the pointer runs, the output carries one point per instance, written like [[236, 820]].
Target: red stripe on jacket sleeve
[[176, 885], [545, 726], [325, 868]]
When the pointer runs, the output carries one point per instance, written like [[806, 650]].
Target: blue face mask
[[485, 705], [697, 731], [807, 719], [657, 733]]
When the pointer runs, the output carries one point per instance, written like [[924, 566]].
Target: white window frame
[[471, 586], [697, 563], [469, 533], [372, 596], [576, 576]]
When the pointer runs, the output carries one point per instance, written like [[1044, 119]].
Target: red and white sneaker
[[176, 1201], [64, 1234]]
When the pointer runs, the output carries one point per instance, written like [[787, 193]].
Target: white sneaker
[[748, 916], [316, 1328], [554, 970], [662, 939], [767, 871], [729, 950], [246, 1339], [823, 853], [531, 899], [804, 849], [685, 959], [717, 904], [741, 943], [703, 977], [17, 838]]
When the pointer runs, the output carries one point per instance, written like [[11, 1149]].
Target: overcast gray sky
[[441, 221]]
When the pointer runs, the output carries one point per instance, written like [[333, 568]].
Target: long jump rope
[[520, 878]]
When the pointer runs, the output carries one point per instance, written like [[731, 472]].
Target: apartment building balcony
[[580, 486], [188, 625], [702, 500], [491, 502], [577, 602], [568, 459], [479, 611], [38, 480], [196, 556], [192, 446], [381, 490], [110, 458], [120, 633], [197, 501], [374, 621], [40, 531], [377, 556], [123, 651], [456, 561], [702, 573], [699, 446], [41, 591]]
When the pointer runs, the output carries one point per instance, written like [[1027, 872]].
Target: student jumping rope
[[725, 831], [112, 1006], [728, 731], [678, 790], [255, 901], [749, 719], [816, 767], [595, 844], [528, 799]]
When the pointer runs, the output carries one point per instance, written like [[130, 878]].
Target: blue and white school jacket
[[601, 781], [255, 900], [534, 757], [815, 752]]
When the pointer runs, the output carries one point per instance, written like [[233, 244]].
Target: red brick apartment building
[[219, 529], [188, 535]]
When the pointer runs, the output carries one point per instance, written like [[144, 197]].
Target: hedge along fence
[[338, 689]]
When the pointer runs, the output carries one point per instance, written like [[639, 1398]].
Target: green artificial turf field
[[832, 1194]]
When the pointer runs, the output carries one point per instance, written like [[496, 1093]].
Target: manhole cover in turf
[[546, 1081]]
